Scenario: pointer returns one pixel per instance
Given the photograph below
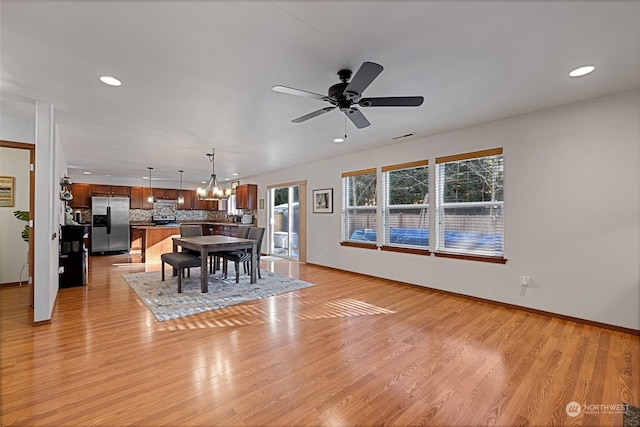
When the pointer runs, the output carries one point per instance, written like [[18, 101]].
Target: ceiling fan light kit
[[347, 95]]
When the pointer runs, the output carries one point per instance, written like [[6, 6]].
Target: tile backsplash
[[145, 215]]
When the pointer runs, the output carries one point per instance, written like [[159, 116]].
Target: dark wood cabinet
[[224, 230], [146, 194], [138, 196], [202, 204], [135, 202], [247, 196], [165, 194], [110, 190], [188, 200], [81, 196]]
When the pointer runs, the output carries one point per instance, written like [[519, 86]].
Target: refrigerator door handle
[[108, 219]]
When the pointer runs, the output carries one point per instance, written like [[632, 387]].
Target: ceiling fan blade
[[312, 115], [299, 92], [357, 118], [364, 76], [392, 101]]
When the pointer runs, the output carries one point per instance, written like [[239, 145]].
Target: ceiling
[[198, 75]]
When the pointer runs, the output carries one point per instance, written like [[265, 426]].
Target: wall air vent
[[403, 136]]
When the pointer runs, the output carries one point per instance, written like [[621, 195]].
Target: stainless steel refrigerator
[[109, 224]]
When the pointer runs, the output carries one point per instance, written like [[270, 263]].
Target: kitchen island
[[154, 240]]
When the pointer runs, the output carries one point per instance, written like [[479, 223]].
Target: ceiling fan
[[346, 96]]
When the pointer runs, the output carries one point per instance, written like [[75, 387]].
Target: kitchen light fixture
[[212, 191], [111, 81], [582, 71], [181, 197], [150, 196]]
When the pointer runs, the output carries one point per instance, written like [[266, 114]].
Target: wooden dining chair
[[255, 233]]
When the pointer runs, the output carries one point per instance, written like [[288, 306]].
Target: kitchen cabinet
[[110, 190], [225, 230], [188, 200], [247, 196], [165, 194], [146, 204], [135, 202], [153, 241], [138, 197], [81, 196], [201, 204]]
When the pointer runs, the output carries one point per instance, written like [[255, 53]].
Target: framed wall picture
[[6, 191], [234, 184], [323, 200]]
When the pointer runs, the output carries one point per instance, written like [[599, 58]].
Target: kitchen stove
[[166, 220]]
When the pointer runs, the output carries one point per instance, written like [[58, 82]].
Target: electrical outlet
[[526, 281]]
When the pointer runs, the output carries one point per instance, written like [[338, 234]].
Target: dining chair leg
[[237, 272]]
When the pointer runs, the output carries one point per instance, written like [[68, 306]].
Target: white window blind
[[469, 202], [405, 205], [359, 206]]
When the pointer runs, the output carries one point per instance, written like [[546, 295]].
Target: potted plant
[[23, 216]]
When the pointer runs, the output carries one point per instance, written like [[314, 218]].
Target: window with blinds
[[359, 206], [405, 205], [469, 203]]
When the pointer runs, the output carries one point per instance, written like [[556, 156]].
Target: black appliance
[[74, 257], [166, 220]]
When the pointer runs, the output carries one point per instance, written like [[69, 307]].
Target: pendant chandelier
[[181, 196], [150, 196], [212, 191]]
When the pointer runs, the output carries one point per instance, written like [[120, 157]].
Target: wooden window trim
[[406, 250], [409, 165], [359, 245], [360, 172], [481, 258], [467, 156]]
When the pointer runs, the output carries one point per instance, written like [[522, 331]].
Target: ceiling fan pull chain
[[345, 126]]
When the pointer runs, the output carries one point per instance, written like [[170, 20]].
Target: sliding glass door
[[284, 221]]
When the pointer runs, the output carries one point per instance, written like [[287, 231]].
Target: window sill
[[481, 258], [406, 250], [371, 245]]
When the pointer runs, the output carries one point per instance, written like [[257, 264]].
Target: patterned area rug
[[164, 301], [631, 416]]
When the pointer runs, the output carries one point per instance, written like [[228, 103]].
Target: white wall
[[17, 129], [13, 250], [48, 207], [572, 211]]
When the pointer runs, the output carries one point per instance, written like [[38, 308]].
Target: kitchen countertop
[[152, 225]]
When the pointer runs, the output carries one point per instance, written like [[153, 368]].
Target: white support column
[[45, 285]]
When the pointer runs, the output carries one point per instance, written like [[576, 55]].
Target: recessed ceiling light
[[86, 173], [582, 71], [338, 140], [235, 174], [111, 81]]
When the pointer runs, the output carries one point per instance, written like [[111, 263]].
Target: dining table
[[207, 245]]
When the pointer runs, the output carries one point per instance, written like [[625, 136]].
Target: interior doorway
[[28, 165], [286, 220]]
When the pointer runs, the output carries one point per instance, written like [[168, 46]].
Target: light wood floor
[[351, 351]]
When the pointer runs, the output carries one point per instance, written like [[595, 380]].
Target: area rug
[[631, 416], [164, 301]]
